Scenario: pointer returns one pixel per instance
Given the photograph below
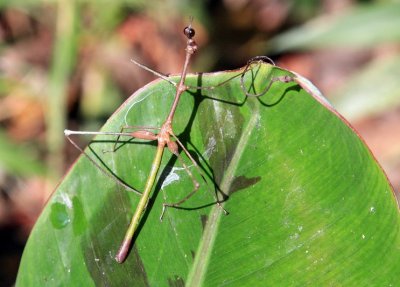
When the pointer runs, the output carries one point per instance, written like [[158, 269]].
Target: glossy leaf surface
[[308, 203]]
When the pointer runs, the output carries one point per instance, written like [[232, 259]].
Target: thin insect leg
[[213, 87], [265, 59], [166, 78], [115, 143], [196, 186], [284, 79], [102, 170], [199, 171], [124, 128], [158, 74]]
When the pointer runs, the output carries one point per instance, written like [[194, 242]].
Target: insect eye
[[189, 32]]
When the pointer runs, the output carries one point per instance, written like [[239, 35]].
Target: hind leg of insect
[[143, 134], [196, 185]]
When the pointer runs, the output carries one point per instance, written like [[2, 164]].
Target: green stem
[[63, 62]]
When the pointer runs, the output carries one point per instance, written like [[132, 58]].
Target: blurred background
[[66, 64]]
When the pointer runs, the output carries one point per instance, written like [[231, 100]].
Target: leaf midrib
[[198, 271]]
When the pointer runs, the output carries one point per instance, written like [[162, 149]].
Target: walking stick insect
[[165, 137]]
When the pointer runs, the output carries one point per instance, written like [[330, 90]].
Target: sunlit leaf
[[308, 203]]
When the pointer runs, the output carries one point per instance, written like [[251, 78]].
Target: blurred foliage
[[360, 27], [18, 160], [371, 91]]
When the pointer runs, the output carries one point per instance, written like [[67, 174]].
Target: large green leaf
[[308, 203]]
